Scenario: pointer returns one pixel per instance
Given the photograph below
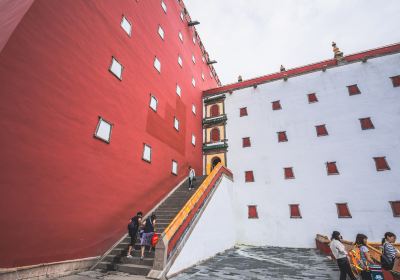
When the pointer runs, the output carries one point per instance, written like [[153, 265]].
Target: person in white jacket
[[192, 174], [340, 254]]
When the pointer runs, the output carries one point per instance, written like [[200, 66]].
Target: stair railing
[[175, 232], [322, 243]]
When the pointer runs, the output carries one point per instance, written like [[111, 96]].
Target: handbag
[[154, 240], [386, 262]]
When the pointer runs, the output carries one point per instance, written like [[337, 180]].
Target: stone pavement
[[247, 263], [111, 275]]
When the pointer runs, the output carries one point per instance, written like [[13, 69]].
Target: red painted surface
[[305, 69], [174, 240], [64, 194], [252, 212]]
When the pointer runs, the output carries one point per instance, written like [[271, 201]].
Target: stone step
[[135, 269], [136, 260], [106, 266], [123, 251]]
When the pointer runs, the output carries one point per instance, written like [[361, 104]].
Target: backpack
[[356, 261], [386, 262]]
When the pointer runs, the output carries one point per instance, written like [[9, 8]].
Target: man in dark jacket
[[133, 228]]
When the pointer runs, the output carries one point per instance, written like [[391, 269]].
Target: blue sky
[[254, 37]]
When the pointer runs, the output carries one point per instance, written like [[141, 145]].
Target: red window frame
[[252, 212], [343, 210], [366, 123], [395, 81], [312, 98], [249, 176], [276, 105], [288, 173], [381, 164], [246, 142], [214, 110], [295, 211], [353, 90], [243, 111], [321, 130], [395, 208], [282, 137], [331, 168]]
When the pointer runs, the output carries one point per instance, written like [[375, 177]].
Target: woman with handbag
[[389, 252], [148, 232]]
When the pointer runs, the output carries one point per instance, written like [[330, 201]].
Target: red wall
[[65, 194]]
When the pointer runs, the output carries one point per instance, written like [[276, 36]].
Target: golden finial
[[336, 51]]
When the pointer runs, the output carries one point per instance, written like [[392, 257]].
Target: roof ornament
[[240, 79], [337, 53], [283, 68]]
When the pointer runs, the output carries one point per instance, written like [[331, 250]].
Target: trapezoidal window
[[193, 59], [214, 110], [353, 90], [174, 167], [381, 164], [366, 123], [312, 98], [202, 76], [288, 173], [157, 64], [178, 90], [163, 6], [146, 153], [246, 142], [282, 137], [180, 61], [249, 176], [215, 137], [252, 212], [181, 16], [193, 140], [103, 130], [194, 109], [331, 168], [343, 210], [153, 103], [193, 82], [276, 105], [176, 124], [180, 36], [395, 81], [161, 32], [321, 130], [395, 208], [294, 211], [126, 26], [116, 68], [243, 111]]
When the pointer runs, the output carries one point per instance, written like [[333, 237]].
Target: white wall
[[214, 232], [366, 191]]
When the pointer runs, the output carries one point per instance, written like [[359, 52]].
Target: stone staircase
[[116, 260]]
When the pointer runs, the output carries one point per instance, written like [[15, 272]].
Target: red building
[[69, 181]]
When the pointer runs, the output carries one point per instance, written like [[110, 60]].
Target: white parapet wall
[[214, 232]]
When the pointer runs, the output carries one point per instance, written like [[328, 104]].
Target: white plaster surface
[[366, 191], [214, 232]]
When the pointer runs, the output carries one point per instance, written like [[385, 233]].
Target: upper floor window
[[181, 16], [193, 59], [343, 210], [193, 82], [215, 135], [116, 68], [214, 110], [252, 212], [282, 137], [366, 123], [146, 153], [243, 111], [288, 172], [174, 167], [395, 81], [353, 90], [180, 36], [153, 103], [103, 130], [246, 142], [194, 109], [161, 32], [179, 60], [176, 123], [321, 130], [193, 140], [164, 6], [194, 39], [126, 26], [312, 98], [395, 208], [295, 211], [202, 76], [331, 168], [381, 164], [249, 176], [276, 105], [157, 64]]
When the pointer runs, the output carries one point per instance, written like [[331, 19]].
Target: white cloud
[[254, 37]]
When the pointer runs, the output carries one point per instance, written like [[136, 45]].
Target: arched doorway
[[214, 111], [215, 137], [214, 162]]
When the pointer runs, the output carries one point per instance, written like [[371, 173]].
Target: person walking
[[192, 175], [340, 254], [366, 260], [148, 232], [389, 252], [133, 228]]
